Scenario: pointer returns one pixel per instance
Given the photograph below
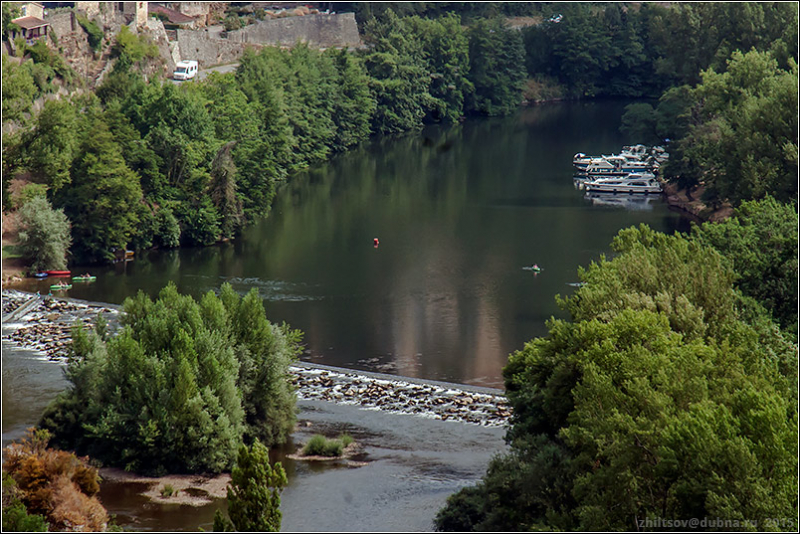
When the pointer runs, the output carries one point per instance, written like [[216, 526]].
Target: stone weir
[[44, 324]]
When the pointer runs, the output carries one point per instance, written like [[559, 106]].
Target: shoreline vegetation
[[159, 149], [683, 335]]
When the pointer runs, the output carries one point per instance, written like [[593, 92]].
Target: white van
[[185, 70]]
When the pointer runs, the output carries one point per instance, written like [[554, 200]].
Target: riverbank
[[44, 324], [407, 465], [689, 203]]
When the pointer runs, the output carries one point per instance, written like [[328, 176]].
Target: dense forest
[[141, 163], [670, 392]]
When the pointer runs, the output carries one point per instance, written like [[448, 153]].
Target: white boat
[[616, 166], [581, 160], [639, 152], [632, 183]]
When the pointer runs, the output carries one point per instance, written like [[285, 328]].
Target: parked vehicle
[[185, 70]]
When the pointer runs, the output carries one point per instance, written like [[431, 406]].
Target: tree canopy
[[180, 387], [668, 394]]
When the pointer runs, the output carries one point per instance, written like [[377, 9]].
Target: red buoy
[[375, 242]]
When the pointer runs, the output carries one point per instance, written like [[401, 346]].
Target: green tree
[[168, 393], [102, 199], [18, 89], [446, 47], [646, 404], [223, 191], [44, 235], [353, 104], [50, 148], [265, 352], [744, 118], [167, 232], [760, 244], [400, 80], [253, 493], [497, 67]]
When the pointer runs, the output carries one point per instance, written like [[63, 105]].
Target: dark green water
[[459, 211]]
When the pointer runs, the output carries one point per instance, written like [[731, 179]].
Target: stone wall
[[323, 31], [206, 49], [62, 23], [154, 28]]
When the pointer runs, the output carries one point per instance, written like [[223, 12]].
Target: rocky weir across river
[[44, 324]]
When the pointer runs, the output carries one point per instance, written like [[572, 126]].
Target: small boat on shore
[[58, 273], [60, 287], [632, 183], [40, 275]]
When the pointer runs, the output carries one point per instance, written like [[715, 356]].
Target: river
[[459, 213]]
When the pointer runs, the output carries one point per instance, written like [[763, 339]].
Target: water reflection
[[458, 211], [626, 201]]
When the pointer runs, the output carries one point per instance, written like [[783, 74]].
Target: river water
[[459, 212]]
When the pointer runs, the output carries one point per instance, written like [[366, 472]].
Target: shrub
[[15, 516], [45, 235], [168, 491], [346, 440], [319, 445], [93, 32], [254, 503], [56, 485], [167, 230], [28, 193], [198, 378]]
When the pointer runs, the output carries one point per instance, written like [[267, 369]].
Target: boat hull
[[622, 188]]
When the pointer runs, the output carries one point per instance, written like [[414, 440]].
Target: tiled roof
[[30, 23], [175, 17]]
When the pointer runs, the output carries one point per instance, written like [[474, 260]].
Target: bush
[[93, 31], [319, 445], [254, 503], [231, 23], [167, 230], [168, 491], [181, 387], [131, 48], [45, 235], [15, 516], [346, 440], [57, 485], [28, 193]]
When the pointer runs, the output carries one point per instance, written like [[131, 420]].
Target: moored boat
[[59, 287], [58, 273], [632, 183], [616, 166]]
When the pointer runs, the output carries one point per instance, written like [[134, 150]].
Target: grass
[[319, 445], [168, 491], [11, 252]]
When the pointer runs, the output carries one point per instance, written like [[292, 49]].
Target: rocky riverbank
[[690, 204], [45, 323]]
